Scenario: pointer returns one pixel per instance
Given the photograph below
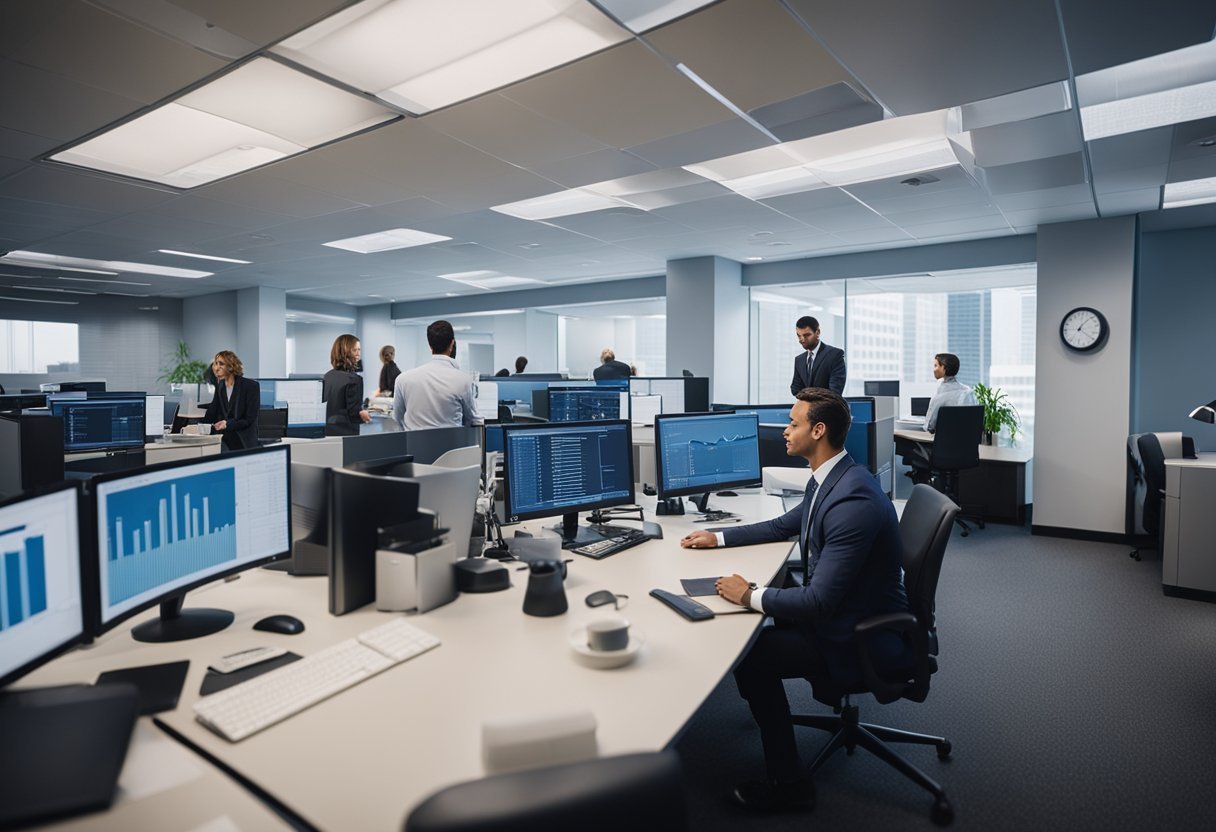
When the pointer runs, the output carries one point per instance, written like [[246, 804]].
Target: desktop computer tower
[[32, 448]]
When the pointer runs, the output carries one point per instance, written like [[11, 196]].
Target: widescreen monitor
[[920, 405], [301, 397], [493, 439], [166, 529], [587, 404], [769, 414], [643, 409], [16, 402], [881, 388], [558, 470], [101, 424], [698, 453], [41, 602]]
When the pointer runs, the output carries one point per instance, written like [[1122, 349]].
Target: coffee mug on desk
[[546, 595], [190, 430], [605, 634], [204, 429]]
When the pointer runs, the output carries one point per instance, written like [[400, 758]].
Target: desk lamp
[[1205, 412]]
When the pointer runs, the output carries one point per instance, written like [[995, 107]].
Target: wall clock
[[1084, 329]]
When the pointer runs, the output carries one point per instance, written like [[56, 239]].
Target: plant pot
[[987, 438]]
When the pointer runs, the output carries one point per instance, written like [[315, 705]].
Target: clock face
[[1083, 329]]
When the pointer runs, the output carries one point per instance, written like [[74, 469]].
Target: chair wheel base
[[944, 749], [942, 812]]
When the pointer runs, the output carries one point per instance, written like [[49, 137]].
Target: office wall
[[261, 326], [585, 339], [313, 341], [1083, 401], [1173, 335], [707, 324], [209, 324], [530, 333], [126, 341]]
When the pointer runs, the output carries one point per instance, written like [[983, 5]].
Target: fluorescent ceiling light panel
[[41, 260], [105, 282], [560, 204], [202, 256], [387, 240], [52, 289], [488, 279], [1152, 92], [1191, 192], [420, 55], [643, 15], [39, 300], [258, 113]]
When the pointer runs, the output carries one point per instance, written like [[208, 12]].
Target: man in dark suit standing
[[821, 365], [233, 411], [851, 555]]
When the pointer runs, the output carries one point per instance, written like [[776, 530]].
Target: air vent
[[917, 181]]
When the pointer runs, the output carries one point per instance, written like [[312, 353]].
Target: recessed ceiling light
[[561, 204], [106, 282], [1191, 192], [203, 256], [53, 289], [40, 300], [38, 259], [66, 269], [488, 279], [423, 54], [258, 113], [755, 258], [387, 240]]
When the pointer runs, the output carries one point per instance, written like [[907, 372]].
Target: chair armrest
[[905, 624]]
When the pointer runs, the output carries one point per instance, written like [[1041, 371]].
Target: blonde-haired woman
[[342, 388], [233, 412], [388, 370]]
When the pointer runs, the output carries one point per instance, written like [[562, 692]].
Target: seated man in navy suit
[[851, 554]]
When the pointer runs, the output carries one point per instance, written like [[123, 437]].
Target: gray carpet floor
[[1075, 694]]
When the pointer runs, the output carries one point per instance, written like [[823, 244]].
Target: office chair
[[686, 373], [640, 791], [459, 457], [505, 414], [924, 531], [956, 447], [1152, 460], [530, 419], [272, 424]]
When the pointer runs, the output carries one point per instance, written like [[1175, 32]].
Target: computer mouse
[[725, 494], [287, 625]]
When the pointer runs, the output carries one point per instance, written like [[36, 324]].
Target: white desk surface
[[988, 453], [363, 758], [1206, 459]]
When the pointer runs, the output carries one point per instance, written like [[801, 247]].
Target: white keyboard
[[245, 709]]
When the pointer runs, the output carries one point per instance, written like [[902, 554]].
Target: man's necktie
[[810, 359], [805, 542]]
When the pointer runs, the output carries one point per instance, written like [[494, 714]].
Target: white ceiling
[[797, 68]]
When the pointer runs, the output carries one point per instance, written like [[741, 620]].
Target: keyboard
[[624, 539], [243, 710]]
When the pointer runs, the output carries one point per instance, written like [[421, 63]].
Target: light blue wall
[[1174, 335]]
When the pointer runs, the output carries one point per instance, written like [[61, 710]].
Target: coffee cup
[[205, 430], [606, 634], [190, 430]]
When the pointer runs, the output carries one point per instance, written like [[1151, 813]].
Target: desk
[[363, 758], [1188, 557], [996, 490]]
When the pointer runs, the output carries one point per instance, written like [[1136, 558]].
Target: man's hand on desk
[[735, 588], [699, 540]]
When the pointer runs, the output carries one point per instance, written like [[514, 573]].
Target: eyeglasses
[[603, 596]]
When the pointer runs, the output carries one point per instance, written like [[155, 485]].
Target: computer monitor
[[697, 453], [15, 402], [154, 412], [643, 409], [561, 469], [301, 397], [920, 405], [84, 385], [309, 520], [881, 388], [772, 449], [164, 530], [587, 404], [101, 424], [769, 414], [41, 602], [493, 439]]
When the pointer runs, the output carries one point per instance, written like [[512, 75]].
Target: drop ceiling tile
[[819, 199], [1035, 175], [826, 110], [841, 218], [24, 146], [927, 56], [500, 127], [195, 207], [730, 211], [622, 96], [1182, 170], [63, 186], [1128, 179], [725, 138], [1194, 139], [93, 47], [160, 231], [866, 236], [77, 109], [616, 224], [258, 189], [263, 22], [669, 197], [598, 166], [905, 219], [473, 195], [892, 188], [958, 226], [10, 166], [87, 243], [1045, 198], [774, 61], [1049, 214], [1115, 32], [1129, 202], [1021, 141]]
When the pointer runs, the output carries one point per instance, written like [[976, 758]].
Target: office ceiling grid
[[631, 115]]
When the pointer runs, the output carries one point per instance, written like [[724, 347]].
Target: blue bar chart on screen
[[169, 529], [22, 577]]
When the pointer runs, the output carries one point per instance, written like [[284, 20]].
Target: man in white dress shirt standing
[[437, 394]]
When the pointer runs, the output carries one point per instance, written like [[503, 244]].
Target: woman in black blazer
[[388, 372], [233, 411], [342, 389]]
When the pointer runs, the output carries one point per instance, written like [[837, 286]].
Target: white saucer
[[603, 659]]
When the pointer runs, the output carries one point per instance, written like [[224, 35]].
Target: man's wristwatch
[[746, 600]]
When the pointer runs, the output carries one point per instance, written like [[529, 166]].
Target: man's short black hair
[[440, 336], [829, 407], [520, 364], [807, 322], [949, 362]]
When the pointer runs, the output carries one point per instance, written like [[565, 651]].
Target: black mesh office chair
[[272, 424], [1152, 461], [633, 791], [956, 447], [924, 531], [686, 373], [504, 413]]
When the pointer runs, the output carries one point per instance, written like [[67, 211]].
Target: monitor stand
[[701, 501], [176, 624]]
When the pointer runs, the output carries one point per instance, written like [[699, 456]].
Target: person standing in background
[[437, 394], [821, 365], [342, 389], [388, 371], [233, 412], [521, 364], [610, 367]]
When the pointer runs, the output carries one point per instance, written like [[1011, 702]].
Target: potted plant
[[183, 371], [999, 412]]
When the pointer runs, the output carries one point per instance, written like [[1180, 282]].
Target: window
[[636, 331], [39, 347]]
